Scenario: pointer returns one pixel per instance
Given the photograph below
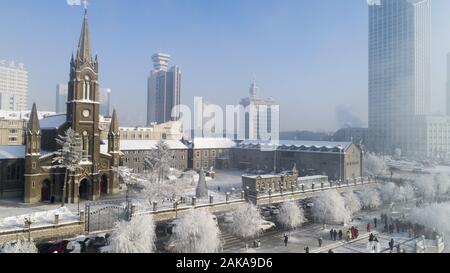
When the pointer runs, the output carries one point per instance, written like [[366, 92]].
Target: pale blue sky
[[309, 55]]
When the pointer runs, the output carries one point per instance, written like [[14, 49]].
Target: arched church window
[[87, 88], [85, 145]]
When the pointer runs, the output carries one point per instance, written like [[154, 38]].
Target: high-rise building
[[399, 72], [262, 117], [105, 102], [448, 85], [164, 90], [13, 87], [61, 98]]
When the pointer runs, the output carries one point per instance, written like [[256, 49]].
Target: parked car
[[265, 226], [265, 212], [274, 210], [58, 247], [228, 218]]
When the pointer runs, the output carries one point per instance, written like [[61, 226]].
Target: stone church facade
[[95, 177]]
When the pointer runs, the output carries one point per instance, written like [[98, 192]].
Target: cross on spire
[[85, 4]]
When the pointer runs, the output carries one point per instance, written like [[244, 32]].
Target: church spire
[[84, 46], [114, 128], [33, 123]]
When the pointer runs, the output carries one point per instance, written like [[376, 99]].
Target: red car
[[58, 247]]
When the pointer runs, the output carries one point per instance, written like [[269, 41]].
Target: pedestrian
[[286, 240], [349, 235], [335, 235], [391, 245], [340, 234], [398, 248], [218, 189], [320, 241], [368, 227], [371, 237], [356, 233], [376, 239], [375, 222], [331, 234], [330, 251], [306, 249]]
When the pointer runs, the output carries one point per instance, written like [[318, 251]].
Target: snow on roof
[[136, 145], [213, 143], [12, 152], [53, 122], [300, 145]]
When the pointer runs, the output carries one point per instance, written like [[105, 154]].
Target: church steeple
[[114, 128], [33, 123], [33, 134], [114, 135], [84, 54]]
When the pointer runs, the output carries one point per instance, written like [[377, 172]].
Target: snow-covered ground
[[38, 219]]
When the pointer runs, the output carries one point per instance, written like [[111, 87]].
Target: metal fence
[[103, 215]]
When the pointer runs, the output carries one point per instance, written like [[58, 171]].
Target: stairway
[[230, 241]]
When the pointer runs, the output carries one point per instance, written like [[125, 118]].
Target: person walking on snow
[[340, 235], [286, 240], [368, 227], [335, 235], [320, 241], [375, 222]]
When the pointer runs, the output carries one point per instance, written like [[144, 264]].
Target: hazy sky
[[309, 55]]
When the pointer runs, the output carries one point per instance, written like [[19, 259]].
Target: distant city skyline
[[311, 56]]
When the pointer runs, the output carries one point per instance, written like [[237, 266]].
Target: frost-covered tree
[[406, 193], [433, 216], [433, 186], [374, 165], [159, 160], [68, 157], [442, 182], [329, 207], [291, 216], [20, 246], [352, 202], [147, 186], [246, 221], [202, 189], [389, 192], [370, 198], [135, 236], [196, 232]]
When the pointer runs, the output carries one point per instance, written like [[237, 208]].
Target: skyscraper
[[61, 98], [262, 117], [399, 72], [13, 87], [105, 102], [164, 90], [448, 84]]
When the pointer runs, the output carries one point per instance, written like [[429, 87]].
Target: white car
[[266, 226]]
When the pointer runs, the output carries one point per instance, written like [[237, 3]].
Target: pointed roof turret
[[84, 46], [114, 127], [33, 123]]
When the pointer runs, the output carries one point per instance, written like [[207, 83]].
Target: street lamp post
[[340, 162]]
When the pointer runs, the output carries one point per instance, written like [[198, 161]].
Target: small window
[[33, 165], [33, 184]]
